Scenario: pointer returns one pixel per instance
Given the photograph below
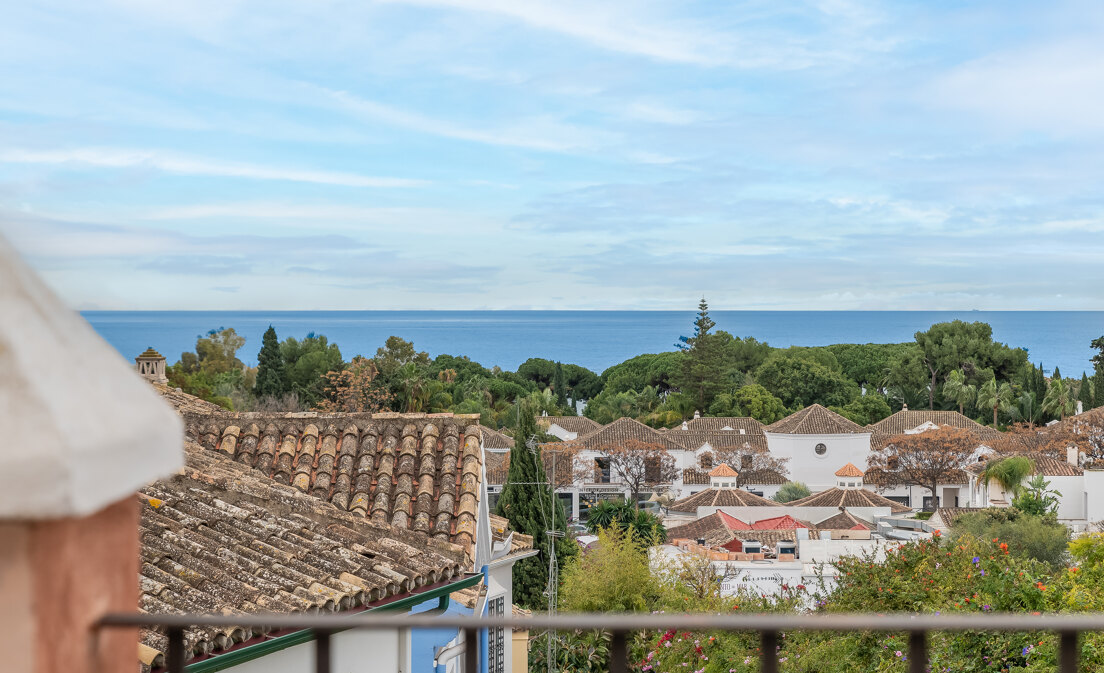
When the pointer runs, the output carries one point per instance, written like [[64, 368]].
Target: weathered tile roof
[[695, 439], [717, 530], [623, 430], [412, 471], [1044, 465], [771, 538], [497, 466], [720, 497], [844, 521], [719, 423], [581, 425], [713, 528], [849, 497], [784, 522], [849, 470], [909, 419], [723, 470], [815, 420], [185, 403], [223, 538], [693, 475], [493, 439]]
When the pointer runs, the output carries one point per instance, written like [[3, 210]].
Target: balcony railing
[[769, 626]]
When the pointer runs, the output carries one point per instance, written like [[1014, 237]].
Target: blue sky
[[500, 154]]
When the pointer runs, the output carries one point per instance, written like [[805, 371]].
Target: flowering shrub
[[932, 576]]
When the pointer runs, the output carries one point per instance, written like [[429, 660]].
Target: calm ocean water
[[594, 339]]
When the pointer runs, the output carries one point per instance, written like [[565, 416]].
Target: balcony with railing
[[769, 627]]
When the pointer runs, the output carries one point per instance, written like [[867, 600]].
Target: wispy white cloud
[[542, 133], [108, 157]]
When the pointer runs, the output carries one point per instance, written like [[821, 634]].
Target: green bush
[[1041, 538]]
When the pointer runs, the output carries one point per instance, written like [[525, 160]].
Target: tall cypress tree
[[527, 501], [1086, 393], [559, 387], [1098, 387], [1057, 374], [270, 367]]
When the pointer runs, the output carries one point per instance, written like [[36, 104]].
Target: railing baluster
[[1067, 652], [174, 660], [619, 653], [471, 651], [918, 651], [768, 650], [321, 651]]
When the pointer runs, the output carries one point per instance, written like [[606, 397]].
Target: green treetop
[[270, 367]]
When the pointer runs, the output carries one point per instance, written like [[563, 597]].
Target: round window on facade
[[820, 449]]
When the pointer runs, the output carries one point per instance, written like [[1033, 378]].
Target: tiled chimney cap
[[150, 354], [81, 429]]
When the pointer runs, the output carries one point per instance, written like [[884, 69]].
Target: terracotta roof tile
[[844, 521], [695, 439], [413, 471], [849, 470], [721, 497], [815, 420], [493, 439], [623, 430], [717, 424], [223, 538], [910, 419], [723, 470], [1044, 465], [849, 497], [581, 425]]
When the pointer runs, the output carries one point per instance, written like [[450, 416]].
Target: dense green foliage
[[621, 514], [964, 575], [792, 490], [953, 365], [1040, 538]]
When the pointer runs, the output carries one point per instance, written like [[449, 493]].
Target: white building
[[817, 441], [1081, 491]]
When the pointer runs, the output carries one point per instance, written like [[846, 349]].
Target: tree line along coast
[[950, 366]]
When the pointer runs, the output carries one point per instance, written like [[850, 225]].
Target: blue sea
[[593, 339]]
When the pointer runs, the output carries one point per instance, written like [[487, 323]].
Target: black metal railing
[[619, 626]]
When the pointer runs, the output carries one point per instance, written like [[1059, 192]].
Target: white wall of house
[[1071, 504], [818, 470], [354, 650], [1094, 495]]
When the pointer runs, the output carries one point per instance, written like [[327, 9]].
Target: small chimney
[[904, 407], [1080, 408], [685, 426], [697, 414], [1072, 455], [151, 365]]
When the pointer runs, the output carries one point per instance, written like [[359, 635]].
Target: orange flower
[[1004, 546]]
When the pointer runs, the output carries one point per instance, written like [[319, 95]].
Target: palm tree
[[958, 391], [413, 383], [1027, 409], [1059, 399], [1008, 472], [995, 396]]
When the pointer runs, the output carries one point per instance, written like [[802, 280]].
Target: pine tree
[[1040, 383], [704, 323], [559, 387], [1057, 374], [1098, 387], [1086, 393], [270, 367], [532, 509]]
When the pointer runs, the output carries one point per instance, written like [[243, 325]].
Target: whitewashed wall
[[819, 471]]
